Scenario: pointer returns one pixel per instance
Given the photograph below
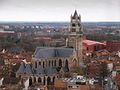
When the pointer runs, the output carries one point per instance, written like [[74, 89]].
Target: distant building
[[90, 46], [47, 60], [6, 33], [113, 46]]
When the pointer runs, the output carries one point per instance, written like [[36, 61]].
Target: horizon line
[[53, 21]]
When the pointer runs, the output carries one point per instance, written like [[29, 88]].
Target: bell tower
[[75, 35]]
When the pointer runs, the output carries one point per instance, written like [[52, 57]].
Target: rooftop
[[50, 52], [89, 42]]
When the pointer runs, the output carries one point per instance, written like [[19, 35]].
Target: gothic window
[[44, 81], [46, 63], [35, 64], [74, 63], [34, 79], [66, 65], [30, 81], [55, 63], [60, 63], [49, 63], [52, 63], [78, 24], [73, 25], [39, 63], [73, 30], [48, 81], [43, 64], [53, 80], [39, 80]]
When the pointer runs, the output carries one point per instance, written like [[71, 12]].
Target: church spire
[[75, 14], [75, 35]]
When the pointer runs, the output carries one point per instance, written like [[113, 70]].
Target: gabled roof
[[51, 52], [51, 70], [21, 68], [65, 69], [28, 69], [90, 42], [54, 71], [15, 50], [40, 70], [75, 14]]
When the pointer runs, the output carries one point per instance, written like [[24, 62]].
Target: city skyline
[[55, 11]]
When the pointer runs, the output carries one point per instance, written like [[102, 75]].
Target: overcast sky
[[59, 10]]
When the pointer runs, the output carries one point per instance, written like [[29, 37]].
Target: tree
[[79, 70], [103, 72]]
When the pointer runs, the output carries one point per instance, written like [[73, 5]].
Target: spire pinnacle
[[75, 13]]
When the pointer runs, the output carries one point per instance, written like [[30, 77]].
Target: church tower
[[75, 35]]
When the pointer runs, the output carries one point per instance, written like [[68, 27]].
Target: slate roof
[[15, 50], [21, 68], [28, 70], [75, 14], [51, 70], [54, 71], [51, 52], [65, 69], [40, 70]]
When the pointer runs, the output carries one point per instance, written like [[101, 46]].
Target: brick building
[[90, 46], [47, 60], [112, 46]]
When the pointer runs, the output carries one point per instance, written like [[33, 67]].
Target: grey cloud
[[59, 9]]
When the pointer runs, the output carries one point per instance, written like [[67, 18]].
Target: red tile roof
[[89, 42]]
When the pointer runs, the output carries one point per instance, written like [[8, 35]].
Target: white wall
[[26, 83], [1, 81]]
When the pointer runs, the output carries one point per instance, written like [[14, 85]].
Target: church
[[48, 62]]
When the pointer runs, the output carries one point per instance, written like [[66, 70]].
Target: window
[[55, 63], [87, 48], [35, 64], [39, 63], [73, 30], [43, 64], [73, 25], [96, 48], [74, 63], [49, 63], [69, 86], [60, 63], [52, 63], [34, 79]]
